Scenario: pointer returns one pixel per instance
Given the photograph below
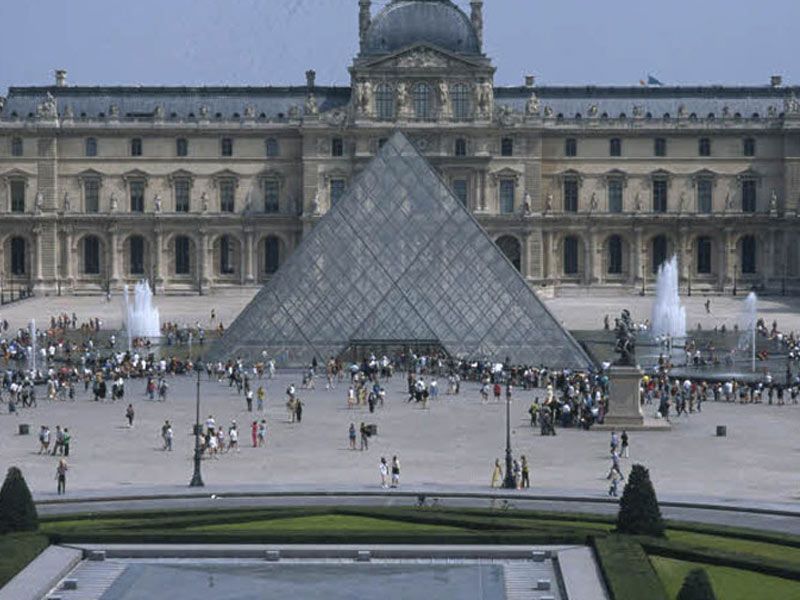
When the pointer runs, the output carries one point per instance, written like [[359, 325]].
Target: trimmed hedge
[[17, 550], [626, 569], [17, 510]]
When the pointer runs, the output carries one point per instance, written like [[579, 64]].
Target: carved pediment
[[135, 174], [422, 56], [17, 174], [90, 174], [180, 174]]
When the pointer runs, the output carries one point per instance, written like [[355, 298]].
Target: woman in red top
[[254, 433]]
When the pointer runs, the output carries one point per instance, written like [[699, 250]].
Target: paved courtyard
[[453, 443]]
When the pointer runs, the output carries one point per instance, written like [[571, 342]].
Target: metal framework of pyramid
[[399, 258]]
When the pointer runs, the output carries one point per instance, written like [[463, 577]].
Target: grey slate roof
[[177, 102], [274, 103]]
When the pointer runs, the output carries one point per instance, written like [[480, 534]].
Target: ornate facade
[[582, 187]]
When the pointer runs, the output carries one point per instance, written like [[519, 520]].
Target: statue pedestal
[[624, 407]]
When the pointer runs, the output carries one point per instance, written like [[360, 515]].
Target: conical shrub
[[697, 586], [638, 508], [17, 510]]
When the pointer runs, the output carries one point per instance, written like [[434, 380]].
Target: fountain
[[141, 317], [669, 315], [747, 327]]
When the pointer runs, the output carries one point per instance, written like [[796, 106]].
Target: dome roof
[[406, 22]]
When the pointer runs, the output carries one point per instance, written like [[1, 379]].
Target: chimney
[[311, 79], [477, 19], [61, 78], [530, 80], [364, 20], [776, 81]]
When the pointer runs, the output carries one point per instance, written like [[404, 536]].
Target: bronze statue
[[626, 340]]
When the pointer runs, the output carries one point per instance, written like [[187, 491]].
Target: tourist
[[625, 444], [261, 394], [614, 441], [129, 414], [59, 441], [516, 472], [384, 471], [613, 486], [167, 434], [395, 472], [526, 474], [298, 409], [61, 476], [249, 400], [352, 436], [233, 437], [262, 433], [615, 466], [44, 439], [533, 411], [497, 474], [364, 436], [254, 433], [67, 440]]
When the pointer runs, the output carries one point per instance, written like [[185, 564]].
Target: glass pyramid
[[398, 259]]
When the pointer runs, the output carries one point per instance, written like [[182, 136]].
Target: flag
[[653, 81], [642, 82]]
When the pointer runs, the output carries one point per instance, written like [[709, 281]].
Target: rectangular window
[[461, 147], [137, 196], [225, 256], [91, 255], [182, 187], [227, 195], [183, 265], [749, 147], [660, 195], [16, 146], [704, 256], [182, 147], [660, 147], [507, 147], [226, 147], [704, 187], [749, 195], [571, 147], [136, 147], [461, 190], [337, 147], [18, 196], [615, 196], [91, 195], [337, 190], [704, 147], [571, 195], [271, 196], [507, 189], [615, 147], [137, 255], [91, 146]]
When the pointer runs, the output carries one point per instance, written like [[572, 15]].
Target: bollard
[[543, 585], [273, 556], [97, 555], [722, 431], [363, 556], [539, 556], [69, 584], [24, 429]]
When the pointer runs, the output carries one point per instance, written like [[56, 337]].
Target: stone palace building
[[583, 188]]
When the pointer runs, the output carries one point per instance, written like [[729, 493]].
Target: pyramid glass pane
[[398, 259]]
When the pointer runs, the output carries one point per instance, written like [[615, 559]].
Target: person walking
[[260, 396], [249, 400], [526, 474], [364, 436], [395, 472], [262, 433], [67, 440], [497, 474], [352, 436], [168, 435], [129, 413], [625, 444], [254, 433], [614, 485], [61, 476], [383, 468], [615, 467]]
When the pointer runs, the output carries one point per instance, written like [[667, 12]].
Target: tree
[[697, 586], [17, 510], [638, 508]]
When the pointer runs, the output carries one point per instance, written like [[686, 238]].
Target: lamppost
[[735, 268], [508, 482], [197, 478]]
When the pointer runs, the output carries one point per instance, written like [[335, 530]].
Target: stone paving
[[453, 443]]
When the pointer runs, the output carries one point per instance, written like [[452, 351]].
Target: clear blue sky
[[258, 42]]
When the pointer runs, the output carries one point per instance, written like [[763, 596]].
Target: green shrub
[[626, 569], [17, 510], [638, 508], [697, 586]]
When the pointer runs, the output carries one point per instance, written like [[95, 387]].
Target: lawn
[[729, 544], [17, 550], [330, 523], [729, 584]]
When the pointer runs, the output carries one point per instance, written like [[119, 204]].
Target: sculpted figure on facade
[[403, 104], [638, 111], [158, 113], [773, 201], [69, 114], [204, 201], [548, 111], [682, 111], [311, 105], [791, 105], [39, 201], [593, 110], [203, 112], [548, 202], [532, 105], [593, 204], [48, 108], [113, 111], [637, 202], [364, 97], [315, 204], [726, 112], [67, 203], [443, 95], [157, 203], [113, 202], [484, 99]]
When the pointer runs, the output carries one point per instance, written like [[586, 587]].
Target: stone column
[[722, 261], [68, 273], [525, 249], [114, 257], [202, 273], [37, 271], [636, 257], [588, 262], [483, 191], [248, 258], [158, 259]]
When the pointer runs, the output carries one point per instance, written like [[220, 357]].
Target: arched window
[[183, 264], [659, 252], [614, 255], [136, 255], [18, 256], [704, 255], [384, 102], [570, 255], [421, 95], [225, 255], [510, 246], [91, 146], [272, 148], [272, 255], [460, 100], [91, 255], [748, 245]]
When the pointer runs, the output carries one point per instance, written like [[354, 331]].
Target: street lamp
[[197, 478], [508, 482], [735, 268]]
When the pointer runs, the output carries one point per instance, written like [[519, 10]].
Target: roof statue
[[398, 258]]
